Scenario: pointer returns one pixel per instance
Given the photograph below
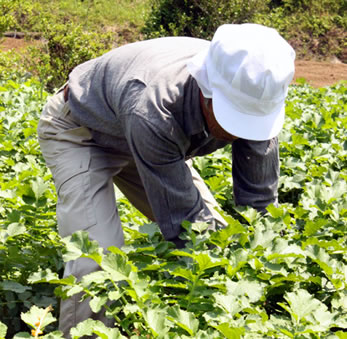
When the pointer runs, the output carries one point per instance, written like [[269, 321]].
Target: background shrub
[[314, 28], [66, 47], [23, 15], [198, 18]]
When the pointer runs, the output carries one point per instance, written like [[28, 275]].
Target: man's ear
[[208, 103]]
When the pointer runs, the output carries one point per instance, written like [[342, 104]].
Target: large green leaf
[[156, 320], [89, 327], [37, 316], [185, 320], [3, 330], [78, 245], [230, 332], [302, 306]]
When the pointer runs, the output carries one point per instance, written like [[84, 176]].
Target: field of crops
[[282, 275]]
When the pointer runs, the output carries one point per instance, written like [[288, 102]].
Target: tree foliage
[[313, 27]]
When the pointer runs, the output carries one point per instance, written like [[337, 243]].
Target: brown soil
[[16, 44], [317, 74]]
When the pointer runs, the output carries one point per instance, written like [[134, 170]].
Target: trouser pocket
[[75, 210]]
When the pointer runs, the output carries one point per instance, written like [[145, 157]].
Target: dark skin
[[215, 129]]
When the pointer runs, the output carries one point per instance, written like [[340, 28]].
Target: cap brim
[[246, 126]]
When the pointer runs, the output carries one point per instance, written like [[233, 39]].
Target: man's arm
[[255, 172], [166, 177]]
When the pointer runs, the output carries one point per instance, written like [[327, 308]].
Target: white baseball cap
[[246, 71]]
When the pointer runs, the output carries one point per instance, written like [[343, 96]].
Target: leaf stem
[[125, 302], [190, 295], [38, 328], [108, 308]]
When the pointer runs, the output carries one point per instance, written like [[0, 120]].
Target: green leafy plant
[[232, 282], [28, 237], [11, 66], [282, 275]]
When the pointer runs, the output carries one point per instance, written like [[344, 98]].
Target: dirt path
[[16, 44], [317, 74]]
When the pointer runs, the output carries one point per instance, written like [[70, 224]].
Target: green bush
[[96, 15], [323, 6], [198, 18], [22, 15], [66, 47], [6, 7], [314, 28], [6, 19]]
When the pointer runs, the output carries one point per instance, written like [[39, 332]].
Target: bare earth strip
[[317, 74]]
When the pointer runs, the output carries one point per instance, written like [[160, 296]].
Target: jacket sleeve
[[165, 176], [255, 169]]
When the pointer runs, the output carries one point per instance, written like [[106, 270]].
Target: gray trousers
[[84, 174]]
